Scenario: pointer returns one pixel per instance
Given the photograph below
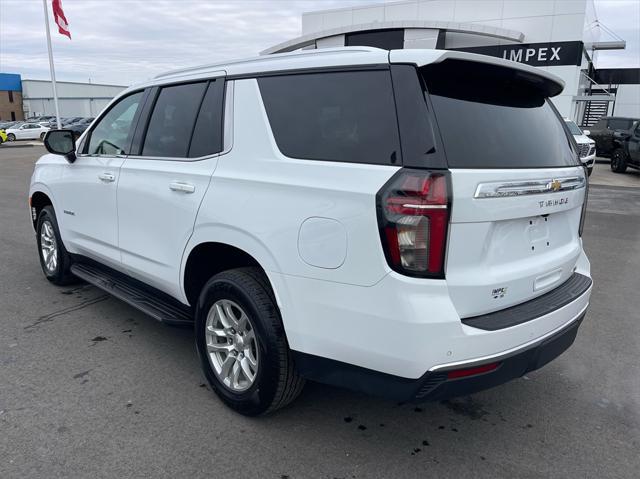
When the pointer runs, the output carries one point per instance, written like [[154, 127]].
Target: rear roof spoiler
[[553, 85]]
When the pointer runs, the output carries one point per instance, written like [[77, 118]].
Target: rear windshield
[[573, 128], [496, 117]]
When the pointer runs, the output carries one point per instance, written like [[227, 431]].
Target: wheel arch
[[37, 201], [205, 259]]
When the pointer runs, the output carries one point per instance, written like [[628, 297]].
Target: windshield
[[573, 128], [496, 117]]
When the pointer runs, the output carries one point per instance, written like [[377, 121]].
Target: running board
[[155, 304]]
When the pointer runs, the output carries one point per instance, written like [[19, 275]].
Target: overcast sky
[[125, 41]]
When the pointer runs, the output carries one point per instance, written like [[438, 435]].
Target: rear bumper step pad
[[564, 294]]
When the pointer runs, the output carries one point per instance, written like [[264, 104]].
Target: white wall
[[43, 89], [68, 107], [628, 101], [74, 99], [538, 20], [420, 38]]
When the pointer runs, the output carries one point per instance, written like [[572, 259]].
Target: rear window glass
[[338, 116], [573, 128], [496, 117], [620, 124]]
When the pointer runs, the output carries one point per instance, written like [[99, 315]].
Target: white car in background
[[586, 146], [27, 131]]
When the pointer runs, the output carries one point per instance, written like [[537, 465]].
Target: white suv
[[586, 146], [403, 223]]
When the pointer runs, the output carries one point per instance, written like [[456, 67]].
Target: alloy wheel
[[232, 348], [48, 247]]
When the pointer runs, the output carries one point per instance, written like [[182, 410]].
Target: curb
[[13, 144]]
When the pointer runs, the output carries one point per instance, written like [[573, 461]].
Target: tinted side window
[[172, 120], [619, 124], [417, 133], [207, 134], [341, 116], [112, 134]]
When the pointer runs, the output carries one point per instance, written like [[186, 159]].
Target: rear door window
[[172, 121], [207, 134], [496, 117], [333, 116]]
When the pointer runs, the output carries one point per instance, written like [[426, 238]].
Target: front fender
[[38, 187]]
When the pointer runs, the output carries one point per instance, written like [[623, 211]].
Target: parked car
[[626, 151], [586, 146], [7, 124], [44, 118], [602, 132], [3, 136], [79, 127], [27, 131], [310, 218]]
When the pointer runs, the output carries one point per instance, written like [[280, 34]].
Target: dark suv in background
[[626, 152], [602, 132]]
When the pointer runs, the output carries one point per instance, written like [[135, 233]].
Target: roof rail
[[266, 58]]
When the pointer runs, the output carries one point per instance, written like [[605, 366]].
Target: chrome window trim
[[505, 189]]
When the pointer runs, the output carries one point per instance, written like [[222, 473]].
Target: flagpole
[[53, 71]]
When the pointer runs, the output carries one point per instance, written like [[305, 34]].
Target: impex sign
[[534, 54]]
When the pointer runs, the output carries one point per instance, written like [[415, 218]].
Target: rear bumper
[[405, 327], [436, 384]]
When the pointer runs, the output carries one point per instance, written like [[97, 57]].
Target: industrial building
[[23, 99], [10, 97], [560, 36]]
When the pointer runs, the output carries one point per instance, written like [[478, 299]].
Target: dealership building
[[563, 37], [22, 99]]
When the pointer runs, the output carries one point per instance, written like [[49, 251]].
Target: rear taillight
[[413, 215], [583, 214]]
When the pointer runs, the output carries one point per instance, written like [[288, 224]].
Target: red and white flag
[[60, 19]]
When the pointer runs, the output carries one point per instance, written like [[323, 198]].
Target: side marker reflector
[[463, 373]]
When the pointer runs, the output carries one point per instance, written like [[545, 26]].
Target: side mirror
[[61, 142], [586, 132]]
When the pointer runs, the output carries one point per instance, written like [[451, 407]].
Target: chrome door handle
[[107, 177], [183, 187]]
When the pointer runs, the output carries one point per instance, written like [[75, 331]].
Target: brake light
[[413, 216], [583, 214]]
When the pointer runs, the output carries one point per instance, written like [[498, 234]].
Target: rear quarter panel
[[258, 200]]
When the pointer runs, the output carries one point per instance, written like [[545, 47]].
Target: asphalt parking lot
[[90, 387]]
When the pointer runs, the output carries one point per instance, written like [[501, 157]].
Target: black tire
[[11, 137], [276, 381], [589, 171], [619, 161], [60, 274]]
